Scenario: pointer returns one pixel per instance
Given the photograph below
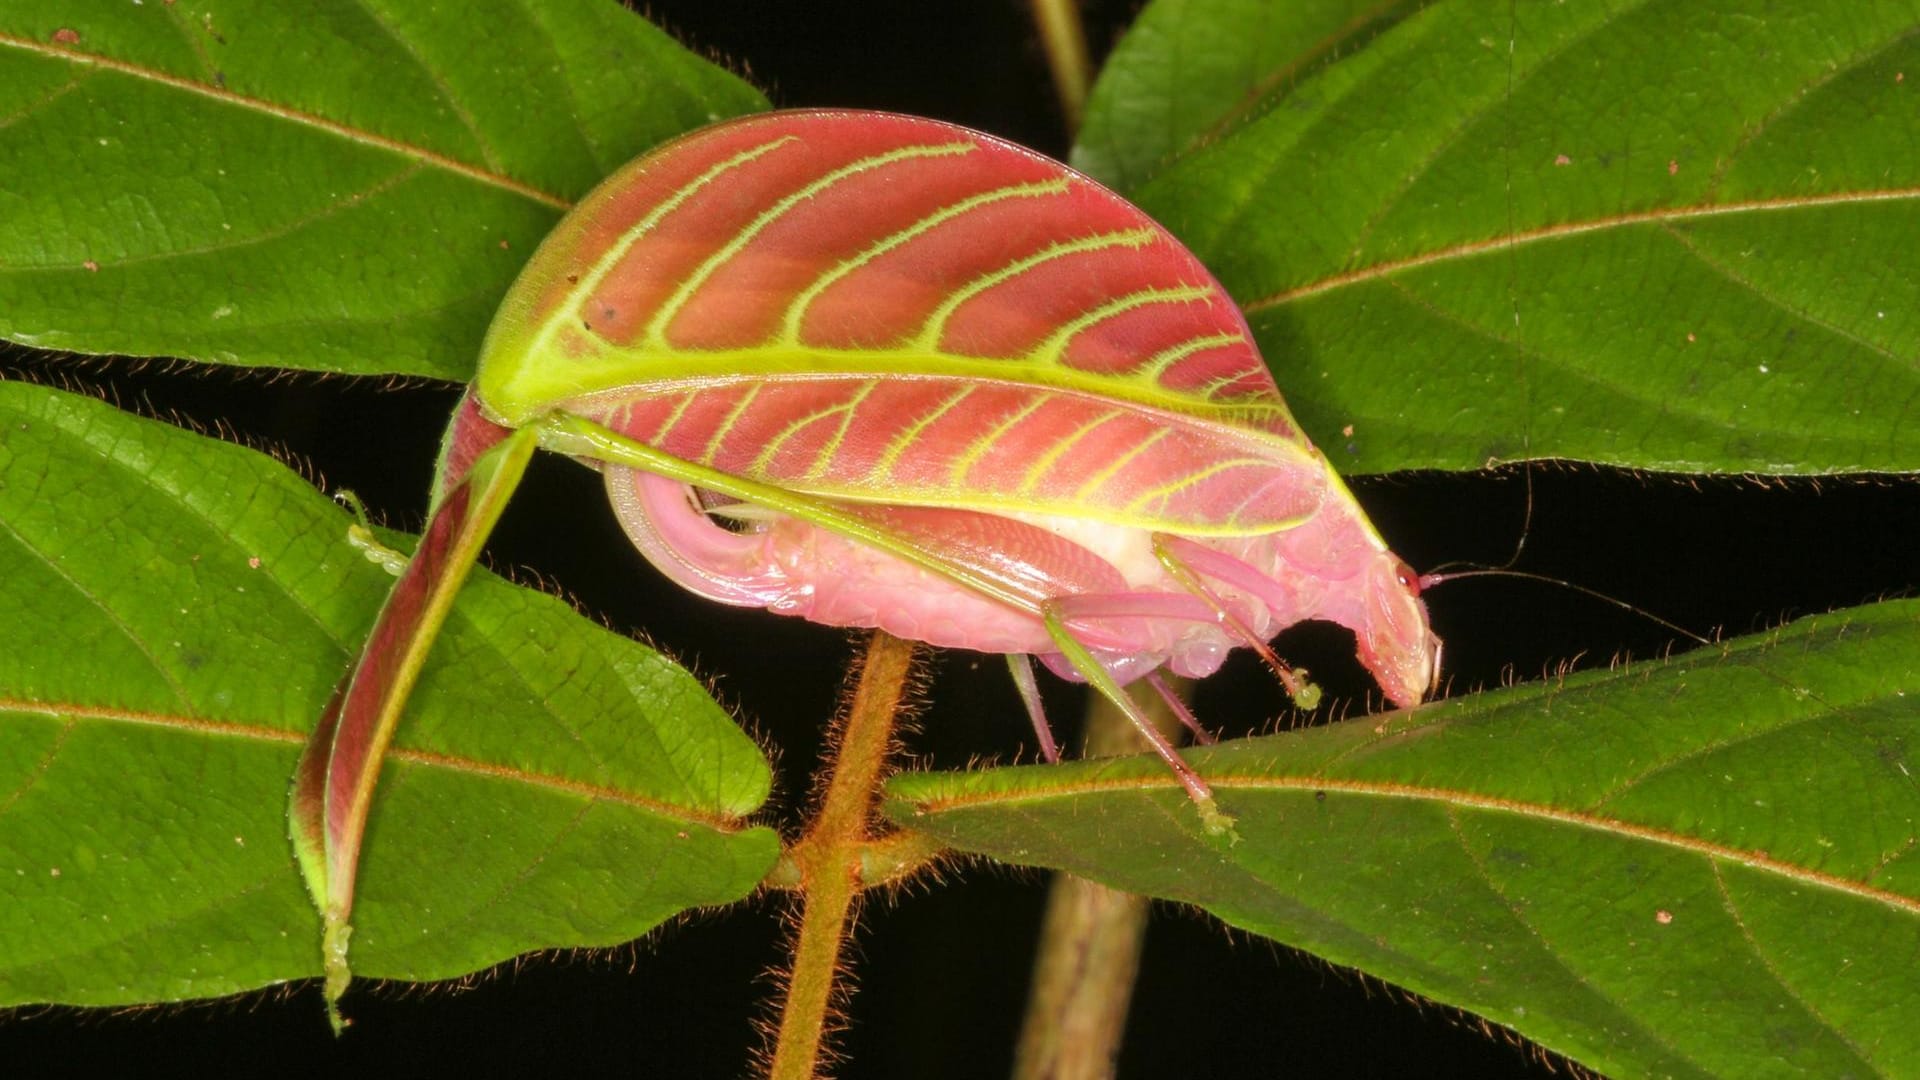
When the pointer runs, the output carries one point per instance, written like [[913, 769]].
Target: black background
[[942, 970]]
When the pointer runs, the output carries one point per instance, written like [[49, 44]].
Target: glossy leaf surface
[[345, 186], [1669, 236], [1698, 867], [178, 612], [882, 308]]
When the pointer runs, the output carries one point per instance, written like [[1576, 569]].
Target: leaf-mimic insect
[[878, 371]]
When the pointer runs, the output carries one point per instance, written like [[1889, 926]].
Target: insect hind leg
[[1089, 667], [1020, 665], [1179, 709]]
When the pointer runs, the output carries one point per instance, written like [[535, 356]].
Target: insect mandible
[[880, 371]]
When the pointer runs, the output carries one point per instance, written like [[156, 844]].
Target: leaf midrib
[[1446, 797], [1556, 954], [292, 115], [1261, 90], [1565, 229], [426, 758]]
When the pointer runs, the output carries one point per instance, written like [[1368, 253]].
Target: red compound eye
[[1408, 580]]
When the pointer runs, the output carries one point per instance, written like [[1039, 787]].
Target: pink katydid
[[880, 371]]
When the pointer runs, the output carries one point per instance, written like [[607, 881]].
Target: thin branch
[[1065, 40], [1090, 943], [828, 858]]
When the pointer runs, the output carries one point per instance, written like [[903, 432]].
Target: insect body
[[880, 371], [1007, 380]]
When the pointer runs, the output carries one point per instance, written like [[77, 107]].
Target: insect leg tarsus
[[361, 535], [1020, 666], [377, 553], [1212, 818]]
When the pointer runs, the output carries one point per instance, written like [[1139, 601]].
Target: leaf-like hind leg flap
[[334, 782]]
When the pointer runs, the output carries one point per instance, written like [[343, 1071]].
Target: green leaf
[[346, 185], [1667, 236], [1190, 71], [177, 614], [1703, 866]]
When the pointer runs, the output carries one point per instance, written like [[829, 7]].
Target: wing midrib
[[628, 373]]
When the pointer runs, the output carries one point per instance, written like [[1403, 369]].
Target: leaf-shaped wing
[[883, 308]]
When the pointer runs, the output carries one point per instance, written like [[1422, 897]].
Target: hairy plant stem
[[829, 856], [1090, 942], [1065, 40]]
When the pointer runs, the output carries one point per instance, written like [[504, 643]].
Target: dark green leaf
[[178, 611], [1190, 71], [1699, 867], [347, 185], [1669, 236]]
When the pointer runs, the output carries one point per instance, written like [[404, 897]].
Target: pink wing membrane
[[770, 269]]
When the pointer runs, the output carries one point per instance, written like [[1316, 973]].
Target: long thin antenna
[[1526, 520], [1428, 581], [1443, 571]]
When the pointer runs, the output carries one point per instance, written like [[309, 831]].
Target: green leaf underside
[[213, 180], [1668, 236], [1698, 867], [554, 786]]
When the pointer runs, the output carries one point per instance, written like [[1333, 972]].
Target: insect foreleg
[[1187, 561]]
